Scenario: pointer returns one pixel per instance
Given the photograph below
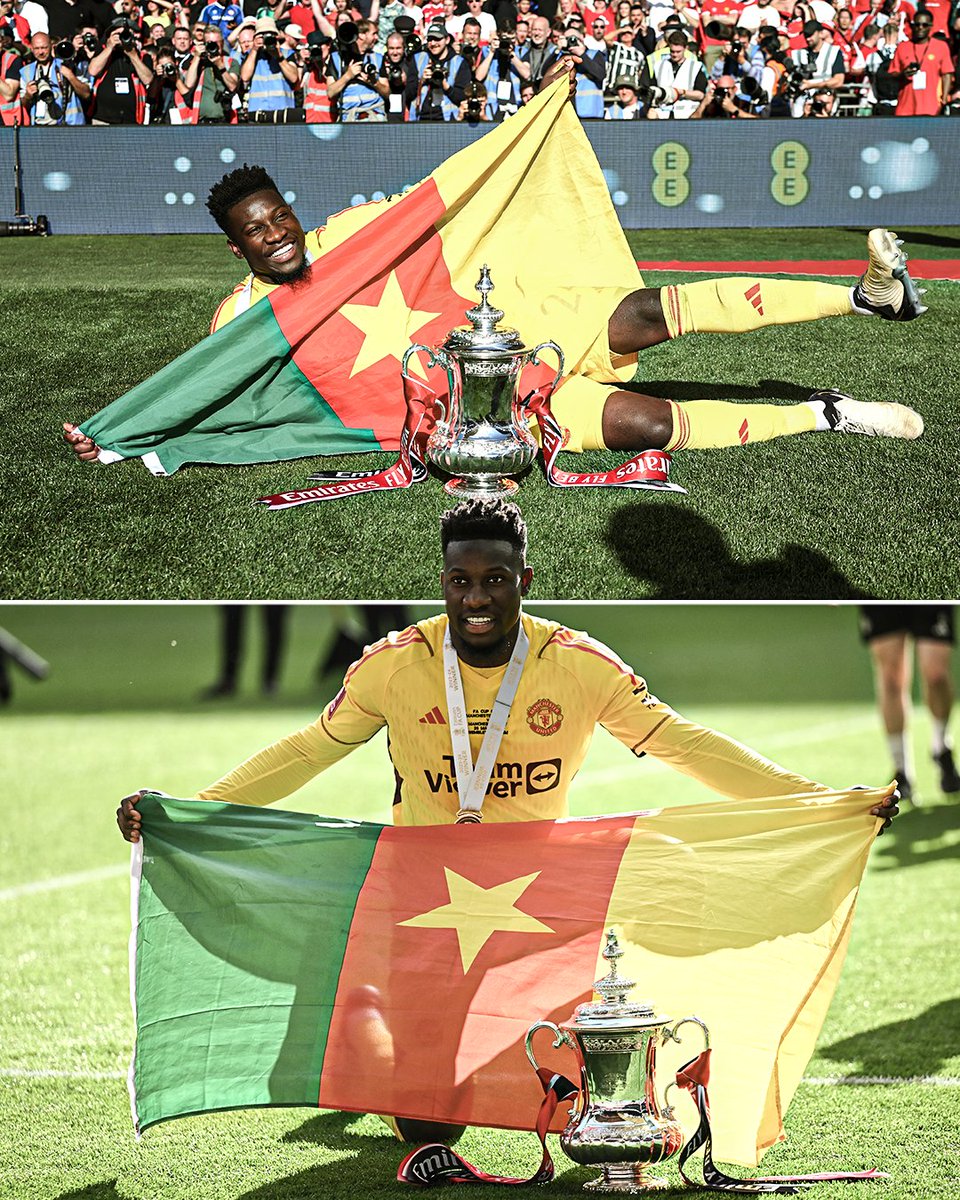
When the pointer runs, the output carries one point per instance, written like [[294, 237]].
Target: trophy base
[[481, 486], [630, 1178]]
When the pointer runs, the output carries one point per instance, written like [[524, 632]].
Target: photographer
[[626, 107], [590, 67], [268, 73], [400, 73], [439, 96], [120, 79], [163, 98], [923, 69], [539, 54], [314, 61], [723, 99], [10, 66], [740, 57], [208, 85], [505, 73], [817, 68], [51, 91], [682, 77], [353, 74]]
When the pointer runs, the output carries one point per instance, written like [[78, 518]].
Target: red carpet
[[920, 268]]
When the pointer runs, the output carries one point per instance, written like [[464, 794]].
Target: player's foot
[[949, 779], [223, 689], [904, 785], [843, 414], [885, 289]]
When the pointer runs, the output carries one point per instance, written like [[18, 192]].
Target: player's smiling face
[[264, 231], [483, 584]]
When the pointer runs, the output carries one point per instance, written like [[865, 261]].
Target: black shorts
[[931, 622]]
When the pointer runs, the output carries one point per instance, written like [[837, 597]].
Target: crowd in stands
[[77, 62]]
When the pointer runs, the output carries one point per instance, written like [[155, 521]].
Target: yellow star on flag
[[388, 327], [477, 913]]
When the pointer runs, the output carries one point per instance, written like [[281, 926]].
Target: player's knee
[[635, 422]]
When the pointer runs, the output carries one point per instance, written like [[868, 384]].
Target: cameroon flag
[[314, 368], [281, 958]]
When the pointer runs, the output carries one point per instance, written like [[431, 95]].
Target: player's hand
[[562, 67], [128, 819], [886, 810], [83, 447]]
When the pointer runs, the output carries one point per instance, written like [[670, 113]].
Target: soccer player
[[262, 230], [888, 630], [435, 684]]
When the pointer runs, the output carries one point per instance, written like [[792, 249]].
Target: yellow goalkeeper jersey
[[570, 684]]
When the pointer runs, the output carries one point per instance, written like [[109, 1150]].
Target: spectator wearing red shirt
[[714, 13], [925, 71]]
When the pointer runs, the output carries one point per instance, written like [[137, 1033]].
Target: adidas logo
[[753, 295], [744, 433], [433, 717]]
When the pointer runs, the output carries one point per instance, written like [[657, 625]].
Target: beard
[[297, 276]]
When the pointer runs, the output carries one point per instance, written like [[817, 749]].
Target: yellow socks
[[708, 424], [740, 304]]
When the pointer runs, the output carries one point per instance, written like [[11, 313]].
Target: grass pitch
[[118, 712], [814, 517]]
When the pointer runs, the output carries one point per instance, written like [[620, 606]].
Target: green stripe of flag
[[241, 381], [257, 919]]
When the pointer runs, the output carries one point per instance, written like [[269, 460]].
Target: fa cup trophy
[[617, 1123], [482, 437]]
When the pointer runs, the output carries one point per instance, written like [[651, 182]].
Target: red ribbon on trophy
[[435, 1164], [649, 469]]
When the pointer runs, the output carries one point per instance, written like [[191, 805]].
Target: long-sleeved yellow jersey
[[570, 684]]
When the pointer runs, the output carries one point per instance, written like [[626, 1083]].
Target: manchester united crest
[[544, 716]]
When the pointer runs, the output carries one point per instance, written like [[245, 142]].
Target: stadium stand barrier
[[689, 174]]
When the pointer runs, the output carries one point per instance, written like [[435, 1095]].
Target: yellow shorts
[[580, 396]]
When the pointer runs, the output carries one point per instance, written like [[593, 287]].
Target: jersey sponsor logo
[[544, 776], [433, 717], [544, 716], [508, 778]]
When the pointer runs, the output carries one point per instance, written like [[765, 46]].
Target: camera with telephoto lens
[[270, 40], [395, 77], [572, 42], [796, 75], [168, 70], [475, 95], [651, 95], [90, 43], [347, 34], [45, 92], [437, 75], [369, 73], [406, 27], [211, 52], [127, 40], [316, 48], [64, 51], [469, 54]]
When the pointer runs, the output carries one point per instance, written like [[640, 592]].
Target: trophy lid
[[484, 334], [614, 1010]]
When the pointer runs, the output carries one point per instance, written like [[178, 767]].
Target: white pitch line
[[826, 732], [813, 1080], [56, 882]]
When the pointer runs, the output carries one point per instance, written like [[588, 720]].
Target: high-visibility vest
[[316, 103], [73, 111], [9, 109], [189, 110], [139, 95]]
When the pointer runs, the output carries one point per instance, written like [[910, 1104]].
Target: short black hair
[[234, 187], [491, 519]]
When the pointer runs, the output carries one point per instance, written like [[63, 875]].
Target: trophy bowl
[[481, 438]]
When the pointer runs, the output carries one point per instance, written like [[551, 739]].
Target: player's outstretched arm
[[128, 818], [83, 447]]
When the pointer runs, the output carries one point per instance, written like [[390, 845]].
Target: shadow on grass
[[918, 1046], [107, 1190], [684, 557], [920, 839], [738, 393], [920, 237]]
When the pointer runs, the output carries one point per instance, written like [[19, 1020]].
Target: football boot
[[885, 289]]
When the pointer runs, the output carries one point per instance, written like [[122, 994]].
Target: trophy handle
[[671, 1035], [560, 1038], [438, 357], [532, 361]]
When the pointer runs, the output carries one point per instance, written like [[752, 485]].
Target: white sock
[[897, 743], [940, 740], [819, 414]]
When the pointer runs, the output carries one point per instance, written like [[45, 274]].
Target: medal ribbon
[[472, 780], [650, 469], [437, 1164]]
